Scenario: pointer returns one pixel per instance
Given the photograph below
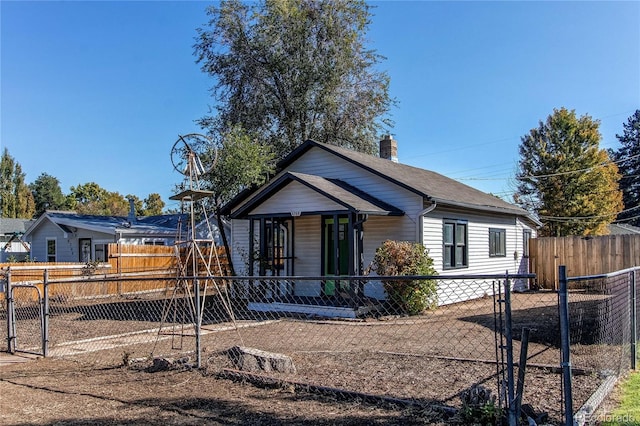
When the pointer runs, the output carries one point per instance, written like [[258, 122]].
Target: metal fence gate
[[25, 318]]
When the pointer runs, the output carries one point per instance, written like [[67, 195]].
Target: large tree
[[91, 198], [16, 200], [47, 194], [565, 178], [628, 160], [242, 163], [291, 70], [153, 205]]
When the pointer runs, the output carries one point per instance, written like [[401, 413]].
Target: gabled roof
[[623, 229], [10, 226], [340, 192], [156, 225], [432, 186]]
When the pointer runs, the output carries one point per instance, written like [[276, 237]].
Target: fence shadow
[[588, 317]]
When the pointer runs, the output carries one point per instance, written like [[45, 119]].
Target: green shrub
[[396, 258]]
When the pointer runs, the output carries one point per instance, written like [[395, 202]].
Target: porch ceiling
[[349, 197]]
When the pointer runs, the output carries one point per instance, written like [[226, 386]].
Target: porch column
[[251, 225], [353, 261], [336, 249]]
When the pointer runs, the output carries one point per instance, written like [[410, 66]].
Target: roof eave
[[484, 208]]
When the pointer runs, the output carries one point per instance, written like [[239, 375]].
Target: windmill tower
[[197, 259]]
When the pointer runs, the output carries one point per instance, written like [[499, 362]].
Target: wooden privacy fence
[[582, 256], [88, 280]]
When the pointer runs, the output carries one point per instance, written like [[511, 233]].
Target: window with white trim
[[51, 249], [526, 236]]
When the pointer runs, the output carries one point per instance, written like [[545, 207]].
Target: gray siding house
[[328, 209], [12, 245], [62, 236]]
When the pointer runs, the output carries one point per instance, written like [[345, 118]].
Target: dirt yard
[[416, 367], [66, 392]]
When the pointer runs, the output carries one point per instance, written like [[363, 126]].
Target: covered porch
[[321, 235]]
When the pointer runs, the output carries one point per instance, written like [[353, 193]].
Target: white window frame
[[55, 249]]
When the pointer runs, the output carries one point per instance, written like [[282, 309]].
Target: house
[[12, 245], [623, 229], [65, 236], [328, 208]]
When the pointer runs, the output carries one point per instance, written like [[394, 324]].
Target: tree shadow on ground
[[328, 410], [177, 309]]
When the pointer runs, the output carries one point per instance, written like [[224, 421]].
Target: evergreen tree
[[566, 179], [628, 160], [16, 200], [47, 194], [153, 205]]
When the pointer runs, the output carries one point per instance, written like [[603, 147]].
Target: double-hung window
[[455, 250], [497, 242]]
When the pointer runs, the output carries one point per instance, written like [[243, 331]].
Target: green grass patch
[[628, 412]]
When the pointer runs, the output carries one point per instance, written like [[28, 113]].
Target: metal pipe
[[634, 331], [45, 314], [512, 420], [8, 293], [420, 220], [563, 306], [522, 367]]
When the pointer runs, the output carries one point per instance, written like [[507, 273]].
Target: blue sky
[[100, 91]]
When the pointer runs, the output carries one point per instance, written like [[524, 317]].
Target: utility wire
[[581, 170], [633, 157], [572, 218]]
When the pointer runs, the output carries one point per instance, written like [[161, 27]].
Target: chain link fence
[[484, 350], [602, 333]]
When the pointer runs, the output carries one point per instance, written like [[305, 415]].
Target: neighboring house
[[623, 229], [328, 208], [62, 236], [13, 247], [208, 230]]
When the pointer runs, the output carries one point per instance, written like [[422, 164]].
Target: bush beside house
[[396, 258]]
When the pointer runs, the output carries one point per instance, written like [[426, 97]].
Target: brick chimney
[[389, 148]]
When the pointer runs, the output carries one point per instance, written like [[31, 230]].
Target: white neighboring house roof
[[623, 229], [164, 226], [11, 234], [10, 226]]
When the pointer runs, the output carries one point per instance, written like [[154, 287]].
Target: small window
[[497, 242], [526, 236], [101, 251], [51, 250], [455, 250]]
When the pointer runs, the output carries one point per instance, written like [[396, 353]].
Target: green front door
[[341, 257]]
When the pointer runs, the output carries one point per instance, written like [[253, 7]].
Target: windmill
[[193, 155]]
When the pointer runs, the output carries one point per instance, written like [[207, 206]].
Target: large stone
[[250, 359]]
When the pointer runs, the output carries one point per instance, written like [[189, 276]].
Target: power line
[[488, 178], [581, 170], [573, 218]]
